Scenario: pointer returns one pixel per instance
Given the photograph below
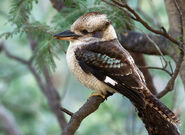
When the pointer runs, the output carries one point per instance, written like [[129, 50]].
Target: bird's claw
[[97, 94]]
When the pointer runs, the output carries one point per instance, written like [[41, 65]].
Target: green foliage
[[45, 54], [10, 34], [46, 50], [20, 11], [18, 16], [70, 14]]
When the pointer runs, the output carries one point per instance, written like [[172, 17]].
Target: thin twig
[[163, 32], [66, 111], [170, 85], [61, 46], [170, 65], [110, 3], [158, 68], [158, 49], [139, 19], [2, 45], [89, 107], [161, 54], [153, 43]]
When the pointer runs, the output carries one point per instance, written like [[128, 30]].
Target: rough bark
[[175, 28], [89, 107], [140, 43]]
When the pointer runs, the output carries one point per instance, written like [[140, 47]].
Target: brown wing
[[112, 60]]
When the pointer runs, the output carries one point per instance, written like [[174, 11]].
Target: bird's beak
[[66, 35]]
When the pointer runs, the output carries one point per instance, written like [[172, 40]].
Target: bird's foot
[[97, 94]]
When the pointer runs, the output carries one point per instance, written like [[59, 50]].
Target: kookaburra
[[99, 62]]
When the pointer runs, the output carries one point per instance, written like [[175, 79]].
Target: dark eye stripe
[[98, 34]]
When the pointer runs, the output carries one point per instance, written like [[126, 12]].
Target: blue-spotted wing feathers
[[110, 59]]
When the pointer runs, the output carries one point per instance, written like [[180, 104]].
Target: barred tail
[[144, 97], [165, 112]]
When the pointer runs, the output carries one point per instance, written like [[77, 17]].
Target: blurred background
[[21, 99]]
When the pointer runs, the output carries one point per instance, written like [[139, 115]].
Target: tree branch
[[57, 4], [89, 107], [171, 82], [162, 32], [2, 46], [138, 42], [8, 122], [47, 88], [148, 116], [54, 99], [159, 68], [145, 115], [66, 111]]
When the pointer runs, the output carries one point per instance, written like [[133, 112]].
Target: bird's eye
[[84, 31]]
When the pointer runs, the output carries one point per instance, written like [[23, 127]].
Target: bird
[[97, 59]]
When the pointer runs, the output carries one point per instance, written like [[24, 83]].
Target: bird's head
[[91, 26]]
